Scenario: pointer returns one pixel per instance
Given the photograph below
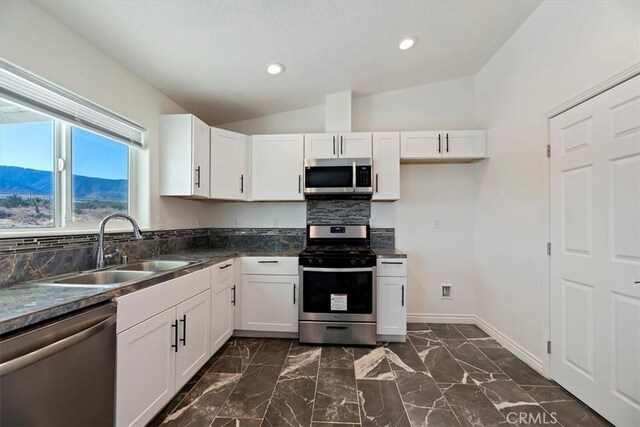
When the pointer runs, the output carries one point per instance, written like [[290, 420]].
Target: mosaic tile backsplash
[[23, 259], [348, 212]]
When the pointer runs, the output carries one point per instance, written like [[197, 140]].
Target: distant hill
[[21, 181]]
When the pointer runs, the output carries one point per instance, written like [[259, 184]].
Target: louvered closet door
[[595, 262]]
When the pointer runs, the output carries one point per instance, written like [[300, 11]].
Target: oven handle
[[355, 183], [339, 270]]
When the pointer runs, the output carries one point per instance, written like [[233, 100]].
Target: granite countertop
[[389, 253], [26, 304]]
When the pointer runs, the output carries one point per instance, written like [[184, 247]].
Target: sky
[[30, 145]]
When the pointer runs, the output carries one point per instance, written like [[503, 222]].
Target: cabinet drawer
[[392, 267], [270, 265], [222, 271]]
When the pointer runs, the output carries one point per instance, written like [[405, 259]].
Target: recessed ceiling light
[[408, 43], [274, 69]]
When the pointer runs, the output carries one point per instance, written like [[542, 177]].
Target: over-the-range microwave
[[338, 177]]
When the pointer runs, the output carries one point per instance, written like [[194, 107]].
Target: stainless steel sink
[[155, 266], [101, 279]]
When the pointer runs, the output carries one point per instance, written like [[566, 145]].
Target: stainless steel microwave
[[340, 177]]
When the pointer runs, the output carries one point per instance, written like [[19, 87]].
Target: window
[[65, 162], [42, 160]]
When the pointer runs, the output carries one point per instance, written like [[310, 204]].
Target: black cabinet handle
[[637, 282], [174, 325], [198, 175], [447, 143], [242, 183], [299, 183], [403, 295], [439, 144], [183, 340], [234, 295], [294, 293], [341, 145], [377, 187], [334, 145], [392, 262], [225, 266], [268, 262]]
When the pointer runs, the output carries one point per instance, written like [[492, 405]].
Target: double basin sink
[[115, 276]]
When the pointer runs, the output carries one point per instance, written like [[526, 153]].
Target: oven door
[[338, 294]]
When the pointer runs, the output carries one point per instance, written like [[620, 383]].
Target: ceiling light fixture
[[408, 43], [275, 69]]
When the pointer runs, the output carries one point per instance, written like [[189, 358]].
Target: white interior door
[[595, 262]]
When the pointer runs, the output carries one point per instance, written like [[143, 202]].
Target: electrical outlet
[[446, 291], [234, 222], [436, 223]]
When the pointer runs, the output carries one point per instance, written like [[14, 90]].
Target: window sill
[[9, 234]]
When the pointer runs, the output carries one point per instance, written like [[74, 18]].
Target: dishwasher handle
[[35, 356]]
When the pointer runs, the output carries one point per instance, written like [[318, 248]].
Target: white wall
[[563, 49], [428, 192], [34, 40]]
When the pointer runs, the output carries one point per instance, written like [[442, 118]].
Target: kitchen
[[465, 238]]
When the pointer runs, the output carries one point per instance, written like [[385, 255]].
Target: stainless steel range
[[338, 286]]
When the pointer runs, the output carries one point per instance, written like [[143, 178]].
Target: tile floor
[[444, 375]]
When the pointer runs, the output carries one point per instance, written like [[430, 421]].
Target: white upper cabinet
[[432, 145], [229, 165], [337, 145], [386, 166], [277, 167], [184, 156]]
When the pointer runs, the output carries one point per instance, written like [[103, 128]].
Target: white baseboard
[[440, 318], [523, 354]]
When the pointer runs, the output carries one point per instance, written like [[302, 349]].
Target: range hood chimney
[[338, 112]]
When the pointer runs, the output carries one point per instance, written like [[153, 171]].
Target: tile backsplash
[[348, 212]]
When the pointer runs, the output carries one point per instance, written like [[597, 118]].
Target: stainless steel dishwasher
[[61, 373]]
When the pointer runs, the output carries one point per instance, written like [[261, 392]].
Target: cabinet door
[[392, 309], [355, 145], [145, 378], [200, 160], [277, 164], [320, 146], [461, 144], [386, 166], [228, 165], [222, 313], [420, 145], [193, 336], [270, 303]]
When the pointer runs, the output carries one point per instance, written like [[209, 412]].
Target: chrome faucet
[[136, 233]]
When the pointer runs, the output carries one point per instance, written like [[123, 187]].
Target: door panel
[[221, 313], [354, 145], [420, 145], [200, 162], [392, 308], [229, 180], [463, 144], [386, 166], [193, 332], [595, 226], [320, 146], [269, 304], [277, 164]]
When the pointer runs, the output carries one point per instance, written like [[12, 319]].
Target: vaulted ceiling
[[210, 56]]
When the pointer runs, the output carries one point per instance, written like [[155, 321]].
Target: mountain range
[[22, 181]]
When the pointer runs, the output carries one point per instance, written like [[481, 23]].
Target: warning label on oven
[[338, 302]]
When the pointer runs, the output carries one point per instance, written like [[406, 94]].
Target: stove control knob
[[353, 261], [363, 261], [320, 261], [310, 260]]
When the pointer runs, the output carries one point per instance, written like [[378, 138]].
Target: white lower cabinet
[[222, 312], [392, 298], [162, 341], [269, 303]]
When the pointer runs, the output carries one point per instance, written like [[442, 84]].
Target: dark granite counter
[[26, 304], [389, 253]]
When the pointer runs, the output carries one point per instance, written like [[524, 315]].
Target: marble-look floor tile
[[372, 364], [487, 342], [336, 357], [334, 425], [251, 395], [292, 403], [423, 401], [336, 396], [471, 331], [574, 414], [302, 362], [547, 394], [445, 331], [233, 422], [470, 358], [231, 365], [380, 404], [423, 338], [404, 357], [203, 402], [517, 370], [417, 327], [472, 407], [442, 366], [243, 347], [272, 352], [512, 401]]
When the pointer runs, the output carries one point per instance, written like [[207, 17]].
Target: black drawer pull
[[183, 340], [403, 295], [268, 262], [225, 266], [175, 336], [234, 295], [337, 328], [392, 262]]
